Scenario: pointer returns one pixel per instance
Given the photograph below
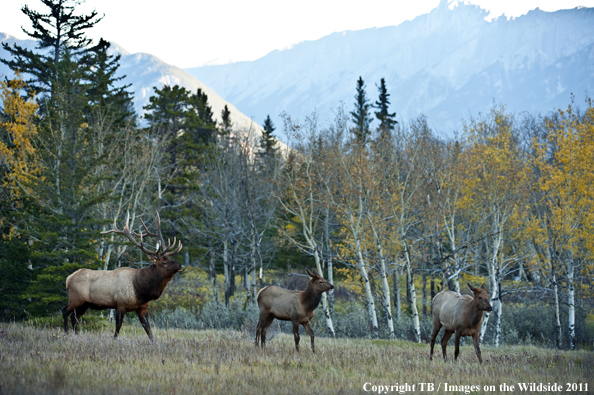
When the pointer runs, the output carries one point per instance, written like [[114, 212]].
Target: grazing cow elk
[[462, 314], [125, 289], [295, 306]]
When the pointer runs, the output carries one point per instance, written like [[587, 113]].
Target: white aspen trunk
[[226, 263], [387, 305], [557, 317], [366, 283], [493, 292], [452, 235], [424, 294], [369, 298], [456, 279], [329, 259], [108, 254], [413, 296], [385, 286], [499, 315], [396, 285], [252, 289], [213, 277], [571, 303], [261, 263], [493, 283], [227, 272], [329, 323]]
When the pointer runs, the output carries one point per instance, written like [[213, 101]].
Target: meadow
[[42, 360]]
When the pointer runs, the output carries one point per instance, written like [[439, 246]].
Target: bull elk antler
[[160, 252]]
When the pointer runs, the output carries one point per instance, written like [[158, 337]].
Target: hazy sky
[[189, 33]]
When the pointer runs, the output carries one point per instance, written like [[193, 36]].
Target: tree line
[[508, 200]]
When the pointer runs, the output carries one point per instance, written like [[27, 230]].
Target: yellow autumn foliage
[[17, 152]]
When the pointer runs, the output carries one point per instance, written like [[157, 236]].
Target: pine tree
[[387, 121], [167, 108], [185, 122], [267, 140], [361, 116], [55, 31], [226, 122], [63, 221], [103, 94], [204, 126]]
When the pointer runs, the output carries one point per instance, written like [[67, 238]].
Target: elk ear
[[484, 287], [473, 289], [310, 274]]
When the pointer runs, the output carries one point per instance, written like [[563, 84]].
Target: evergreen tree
[[226, 122], [63, 221], [59, 220], [185, 121], [103, 94], [361, 115], [203, 108], [167, 109], [387, 121], [267, 140], [55, 31]]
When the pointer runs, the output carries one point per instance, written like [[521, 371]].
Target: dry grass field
[[44, 361]]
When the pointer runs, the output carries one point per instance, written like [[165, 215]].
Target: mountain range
[[449, 64]]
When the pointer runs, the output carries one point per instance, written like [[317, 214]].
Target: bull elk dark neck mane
[[125, 289], [150, 282]]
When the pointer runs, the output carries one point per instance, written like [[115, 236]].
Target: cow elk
[[125, 289], [459, 314], [295, 306]]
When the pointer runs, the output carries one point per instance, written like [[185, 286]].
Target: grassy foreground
[[44, 361]]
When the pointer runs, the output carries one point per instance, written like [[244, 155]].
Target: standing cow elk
[[125, 289], [460, 314], [295, 306]]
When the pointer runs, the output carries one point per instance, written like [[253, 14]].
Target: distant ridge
[[447, 64], [144, 71]]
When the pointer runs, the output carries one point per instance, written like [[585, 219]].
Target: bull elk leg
[[77, 314], [311, 335], [436, 329], [457, 344], [444, 343], [261, 321], [264, 328], [258, 333], [477, 349], [142, 313], [65, 313], [119, 321], [296, 334]]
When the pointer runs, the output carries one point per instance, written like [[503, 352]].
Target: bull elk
[[460, 314], [295, 306], [125, 289]]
